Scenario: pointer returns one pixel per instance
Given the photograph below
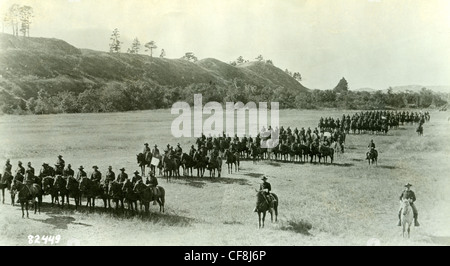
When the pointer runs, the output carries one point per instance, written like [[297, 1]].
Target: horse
[[187, 162], [129, 195], [232, 159], [26, 193], [200, 163], [262, 206], [91, 189], [215, 162], [49, 188], [5, 183], [168, 166], [406, 217], [144, 160], [59, 185], [115, 193], [419, 130], [326, 152], [314, 152], [147, 194], [372, 156], [73, 189]]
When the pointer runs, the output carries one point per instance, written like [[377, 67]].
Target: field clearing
[[346, 203]]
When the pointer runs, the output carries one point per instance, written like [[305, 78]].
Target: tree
[[189, 56], [240, 60], [163, 53], [342, 86], [135, 46], [297, 76], [12, 17], [25, 15], [150, 46], [114, 46], [288, 72], [259, 58], [269, 62]]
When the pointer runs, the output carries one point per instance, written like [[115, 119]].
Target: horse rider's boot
[[399, 219], [416, 222]]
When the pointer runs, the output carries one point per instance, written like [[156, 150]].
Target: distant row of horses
[[169, 164], [61, 189]]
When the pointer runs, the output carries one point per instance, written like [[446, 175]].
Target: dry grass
[[346, 203]]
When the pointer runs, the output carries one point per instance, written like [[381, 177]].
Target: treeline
[[129, 96]]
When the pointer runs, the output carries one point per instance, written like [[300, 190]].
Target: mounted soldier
[[8, 167], [178, 150], [81, 173], [96, 175], [155, 151], [408, 194], [20, 169], [136, 178], [60, 164], [68, 171], [122, 176], [266, 188], [152, 183]]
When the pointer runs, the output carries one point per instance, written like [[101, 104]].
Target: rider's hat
[[95, 167], [44, 164], [81, 167], [264, 177], [146, 144], [136, 172], [122, 169], [156, 145], [110, 167], [19, 163], [29, 163], [408, 185], [59, 156]]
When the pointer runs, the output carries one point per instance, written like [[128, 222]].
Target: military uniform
[[96, 176], [8, 167], [408, 195], [153, 182], [68, 171], [136, 178], [20, 169], [110, 176], [122, 176], [81, 173]]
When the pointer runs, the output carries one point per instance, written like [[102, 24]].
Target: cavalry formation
[[61, 183]]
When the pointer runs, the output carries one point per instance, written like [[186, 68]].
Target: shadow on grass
[[60, 222], [164, 219], [387, 166], [358, 160], [297, 226], [342, 164], [200, 182], [258, 175]]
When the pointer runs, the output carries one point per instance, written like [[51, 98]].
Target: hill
[[28, 65]]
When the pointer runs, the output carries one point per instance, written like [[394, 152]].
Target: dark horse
[[263, 205], [232, 159], [60, 187], [187, 162], [73, 189], [27, 193], [49, 188], [144, 160], [91, 189], [215, 163], [115, 193], [372, 156], [5, 183], [419, 130], [148, 194], [326, 152], [130, 196]]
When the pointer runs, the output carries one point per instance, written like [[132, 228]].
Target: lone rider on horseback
[[371, 148], [408, 194], [265, 187]]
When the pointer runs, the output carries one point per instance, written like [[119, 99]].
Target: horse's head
[[47, 184], [139, 186], [72, 183]]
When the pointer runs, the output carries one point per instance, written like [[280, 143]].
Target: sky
[[372, 43]]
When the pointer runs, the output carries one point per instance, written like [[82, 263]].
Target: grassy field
[[344, 203]]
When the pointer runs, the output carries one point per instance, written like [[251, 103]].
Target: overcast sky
[[372, 43]]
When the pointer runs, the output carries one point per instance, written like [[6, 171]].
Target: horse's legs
[[259, 220], [23, 211]]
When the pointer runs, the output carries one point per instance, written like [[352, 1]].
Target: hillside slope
[[30, 64]]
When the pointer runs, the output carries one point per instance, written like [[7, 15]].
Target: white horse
[[406, 216]]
